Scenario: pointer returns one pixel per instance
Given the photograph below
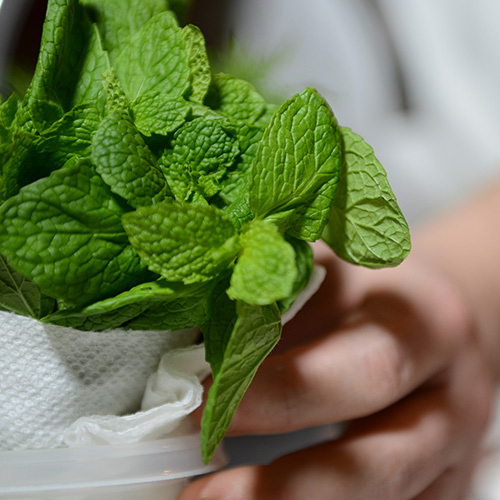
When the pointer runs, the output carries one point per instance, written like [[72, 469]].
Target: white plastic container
[[151, 470]]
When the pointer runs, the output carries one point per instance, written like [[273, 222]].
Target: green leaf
[[19, 295], [70, 136], [201, 75], [159, 114], [296, 168], [183, 183], [145, 306], [36, 156], [116, 100], [235, 98], [236, 181], [155, 60], [304, 263], [366, 225], [255, 333], [203, 149], [239, 211], [13, 156], [45, 113], [206, 144], [8, 112], [17, 134], [179, 314], [125, 163], [219, 322], [95, 62], [185, 308], [66, 33], [80, 319], [202, 111], [181, 241], [266, 270], [118, 20], [64, 233]]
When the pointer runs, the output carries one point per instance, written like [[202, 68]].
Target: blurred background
[[419, 79]]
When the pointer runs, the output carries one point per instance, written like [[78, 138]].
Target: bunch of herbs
[[140, 190]]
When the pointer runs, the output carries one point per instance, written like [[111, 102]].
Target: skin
[[405, 355]]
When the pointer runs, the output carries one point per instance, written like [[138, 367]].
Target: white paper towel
[[172, 393], [50, 376]]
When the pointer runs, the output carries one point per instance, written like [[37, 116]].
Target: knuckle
[[285, 398], [456, 320], [291, 398], [478, 409], [399, 476], [386, 371]]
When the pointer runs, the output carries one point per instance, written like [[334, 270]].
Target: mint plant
[[139, 190]]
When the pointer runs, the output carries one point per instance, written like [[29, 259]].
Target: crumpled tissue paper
[[51, 375]]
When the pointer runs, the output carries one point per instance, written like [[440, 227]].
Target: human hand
[[396, 354]]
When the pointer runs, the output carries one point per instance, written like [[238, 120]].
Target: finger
[[372, 361], [454, 484], [394, 456]]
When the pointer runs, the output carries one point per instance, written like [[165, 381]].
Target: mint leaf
[[235, 98], [155, 60], [13, 156], [255, 333], [178, 314], [236, 181], [219, 322], [162, 301], [186, 307], [70, 136], [201, 75], [203, 149], [64, 234], [266, 270], [304, 264], [205, 144], [17, 134], [19, 295], [182, 241], [66, 31], [82, 320], [45, 113], [8, 112], [118, 20], [125, 163], [183, 183], [159, 114], [297, 165], [116, 100], [32, 157], [95, 62], [239, 211], [366, 225]]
